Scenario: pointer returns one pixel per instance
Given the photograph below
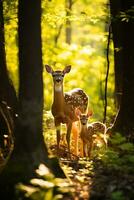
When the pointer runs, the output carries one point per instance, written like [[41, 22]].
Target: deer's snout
[[83, 123], [58, 80]]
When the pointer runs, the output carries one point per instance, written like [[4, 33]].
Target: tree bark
[[123, 37]]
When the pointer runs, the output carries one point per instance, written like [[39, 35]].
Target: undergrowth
[[45, 187], [114, 171], [108, 175]]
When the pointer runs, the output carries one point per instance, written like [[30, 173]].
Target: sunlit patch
[[97, 63], [58, 66], [79, 62], [29, 190], [87, 50], [43, 170], [42, 183], [73, 47], [64, 55], [99, 143]]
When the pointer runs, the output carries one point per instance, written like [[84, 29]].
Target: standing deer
[[64, 104], [91, 133]]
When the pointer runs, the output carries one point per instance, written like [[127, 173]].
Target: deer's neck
[[58, 101], [84, 128]]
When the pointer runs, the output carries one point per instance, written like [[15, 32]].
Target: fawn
[[91, 133], [64, 104]]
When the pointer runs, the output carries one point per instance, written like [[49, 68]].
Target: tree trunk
[[124, 34], [29, 149], [69, 4]]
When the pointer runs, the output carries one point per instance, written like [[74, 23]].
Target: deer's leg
[[75, 137], [81, 148], [105, 140], [84, 149], [58, 135], [69, 128], [90, 148]]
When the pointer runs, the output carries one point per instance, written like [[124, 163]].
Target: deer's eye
[[62, 75]]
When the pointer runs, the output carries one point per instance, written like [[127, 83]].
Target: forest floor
[[80, 174], [102, 179], [107, 177], [91, 179]]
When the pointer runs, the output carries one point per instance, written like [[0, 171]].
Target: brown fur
[[91, 133], [64, 104]]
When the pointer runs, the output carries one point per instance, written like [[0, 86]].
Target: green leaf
[[127, 147], [118, 195]]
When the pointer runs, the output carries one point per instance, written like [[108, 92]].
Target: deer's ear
[[67, 69], [77, 112], [90, 113], [49, 69]]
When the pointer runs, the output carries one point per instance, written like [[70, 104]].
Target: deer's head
[[58, 75], [83, 116]]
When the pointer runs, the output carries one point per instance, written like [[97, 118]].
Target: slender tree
[[69, 4]]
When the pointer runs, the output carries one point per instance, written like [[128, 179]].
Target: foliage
[[49, 128], [120, 155], [113, 172], [86, 53], [117, 196], [10, 17], [45, 186], [126, 16], [116, 165]]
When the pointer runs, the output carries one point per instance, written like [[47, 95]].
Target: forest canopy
[[88, 31]]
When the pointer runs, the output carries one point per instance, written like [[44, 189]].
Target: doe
[[65, 104]]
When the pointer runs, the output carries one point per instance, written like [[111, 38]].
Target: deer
[[91, 133], [65, 103]]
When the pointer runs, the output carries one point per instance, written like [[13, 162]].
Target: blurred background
[[74, 32]]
